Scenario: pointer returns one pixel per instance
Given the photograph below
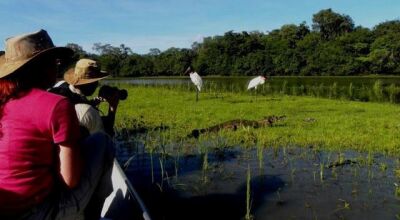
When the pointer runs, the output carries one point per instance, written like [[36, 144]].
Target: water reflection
[[285, 183]]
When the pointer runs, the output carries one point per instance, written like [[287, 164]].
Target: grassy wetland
[[328, 158]]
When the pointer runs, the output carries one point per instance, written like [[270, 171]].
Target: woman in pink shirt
[[44, 172]]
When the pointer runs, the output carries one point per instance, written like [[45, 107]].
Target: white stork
[[196, 79], [259, 80]]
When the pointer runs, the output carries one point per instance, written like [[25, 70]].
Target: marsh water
[[241, 82], [381, 89], [285, 183]]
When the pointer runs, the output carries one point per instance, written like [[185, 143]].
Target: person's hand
[[96, 100], [113, 101]]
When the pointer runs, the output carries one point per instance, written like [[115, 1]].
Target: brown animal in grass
[[237, 123]]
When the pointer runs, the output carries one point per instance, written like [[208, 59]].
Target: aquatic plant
[[378, 90], [248, 215], [162, 172], [393, 92], [346, 205], [202, 146], [383, 167], [341, 157], [302, 90], [397, 173], [267, 89], [152, 166], [150, 145], [260, 156], [314, 176], [177, 158], [280, 201], [333, 91], [294, 91], [321, 172], [320, 90], [205, 167], [284, 88], [370, 158], [334, 173], [292, 174], [396, 190], [351, 92], [355, 171]]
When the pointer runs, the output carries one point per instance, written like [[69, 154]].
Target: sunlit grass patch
[[316, 122]]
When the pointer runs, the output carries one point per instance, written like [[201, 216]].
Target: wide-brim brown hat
[[27, 48], [85, 71], [2, 59]]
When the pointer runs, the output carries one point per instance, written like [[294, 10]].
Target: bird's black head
[[188, 70]]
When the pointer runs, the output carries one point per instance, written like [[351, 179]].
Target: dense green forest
[[333, 46]]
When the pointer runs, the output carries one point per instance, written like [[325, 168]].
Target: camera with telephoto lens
[[106, 92]]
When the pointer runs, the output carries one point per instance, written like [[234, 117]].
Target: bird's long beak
[[188, 70]]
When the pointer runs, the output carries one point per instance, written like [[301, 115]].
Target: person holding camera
[[82, 81]]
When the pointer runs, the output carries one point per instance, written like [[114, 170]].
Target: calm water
[[380, 89], [286, 183], [241, 82]]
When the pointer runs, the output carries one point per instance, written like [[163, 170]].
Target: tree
[[387, 27], [111, 57], [78, 51], [333, 47], [293, 33], [331, 24], [136, 65], [154, 52], [385, 54]]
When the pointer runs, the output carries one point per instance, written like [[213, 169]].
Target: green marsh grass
[[392, 91], [321, 172], [260, 156], [248, 215], [378, 90], [339, 124], [333, 91], [397, 190], [205, 166], [161, 185], [351, 91]]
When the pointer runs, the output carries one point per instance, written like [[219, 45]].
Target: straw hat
[[2, 59], [85, 71], [24, 49]]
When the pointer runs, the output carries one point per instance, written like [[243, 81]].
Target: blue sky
[[145, 24]]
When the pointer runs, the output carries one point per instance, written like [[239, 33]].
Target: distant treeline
[[332, 46]]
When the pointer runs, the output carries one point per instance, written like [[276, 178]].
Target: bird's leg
[[197, 95]]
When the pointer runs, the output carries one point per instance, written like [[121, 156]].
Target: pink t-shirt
[[30, 128]]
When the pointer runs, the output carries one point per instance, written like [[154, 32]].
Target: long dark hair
[[13, 87], [8, 90]]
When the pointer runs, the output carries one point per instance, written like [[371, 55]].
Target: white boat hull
[[124, 202]]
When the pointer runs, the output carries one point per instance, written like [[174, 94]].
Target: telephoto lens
[[123, 94], [107, 91]]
